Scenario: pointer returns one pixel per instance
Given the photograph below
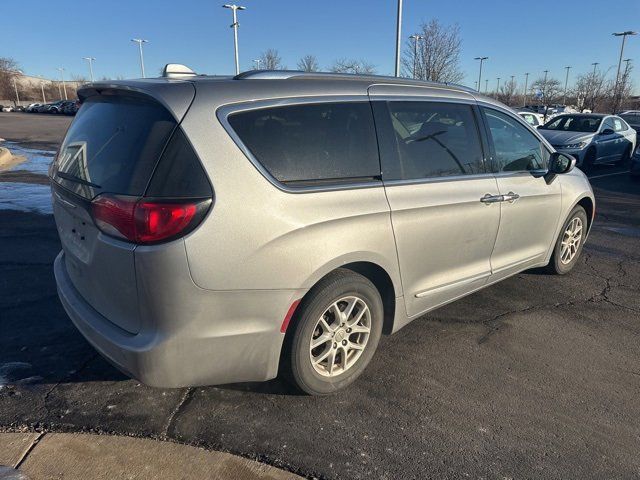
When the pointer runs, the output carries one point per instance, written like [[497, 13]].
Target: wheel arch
[[386, 281]]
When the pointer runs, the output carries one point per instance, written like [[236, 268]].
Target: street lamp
[[15, 86], [140, 41], [526, 83], [90, 60], [482, 59], [486, 86], [566, 82], [64, 86], [624, 36], [235, 25], [398, 36], [44, 100], [416, 38], [257, 63], [498, 86]]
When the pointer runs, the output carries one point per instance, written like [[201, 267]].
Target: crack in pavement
[[68, 376], [170, 425]]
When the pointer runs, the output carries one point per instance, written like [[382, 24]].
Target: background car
[[7, 108], [591, 138], [532, 118], [634, 169], [632, 117]]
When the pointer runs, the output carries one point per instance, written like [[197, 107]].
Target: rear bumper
[[221, 337]]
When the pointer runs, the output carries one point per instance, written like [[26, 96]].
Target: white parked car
[[532, 118], [7, 108]]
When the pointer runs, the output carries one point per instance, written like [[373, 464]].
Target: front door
[[529, 212], [444, 223]]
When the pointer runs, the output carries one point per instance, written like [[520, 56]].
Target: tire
[[558, 264], [589, 160], [342, 288]]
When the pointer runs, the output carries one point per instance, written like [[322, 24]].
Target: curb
[[34, 456]]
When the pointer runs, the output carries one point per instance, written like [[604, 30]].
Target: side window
[[311, 143], [434, 139], [514, 147], [619, 125], [608, 125]]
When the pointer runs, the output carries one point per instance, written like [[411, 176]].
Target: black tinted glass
[[179, 173], [435, 139], [113, 146], [312, 142], [515, 147]]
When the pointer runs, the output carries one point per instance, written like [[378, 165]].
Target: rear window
[[113, 146], [311, 143]]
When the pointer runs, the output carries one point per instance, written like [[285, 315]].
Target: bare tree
[[270, 60], [592, 90], [308, 63], [550, 88], [344, 65], [438, 54], [507, 93], [625, 88], [8, 71]]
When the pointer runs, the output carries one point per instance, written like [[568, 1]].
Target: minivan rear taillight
[[145, 221]]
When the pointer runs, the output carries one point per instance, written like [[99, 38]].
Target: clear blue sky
[[518, 36]]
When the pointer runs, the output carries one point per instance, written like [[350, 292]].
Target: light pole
[[482, 59], [595, 65], [64, 85], [44, 100], [486, 86], [90, 60], [526, 84], [15, 86], [140, 41], [498, 86], [398, 37], [416, 38], [566, 82], [257, 63], [624, 36], [235, 25]]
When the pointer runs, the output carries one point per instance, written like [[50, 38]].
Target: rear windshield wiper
[[73, 178]]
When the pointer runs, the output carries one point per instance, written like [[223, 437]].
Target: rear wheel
[[336, 332], [570, 242]]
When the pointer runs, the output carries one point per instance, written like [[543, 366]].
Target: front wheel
[[336, 331], [570, 242]]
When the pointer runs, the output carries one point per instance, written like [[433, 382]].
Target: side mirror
[[607, 131], [559, 163]]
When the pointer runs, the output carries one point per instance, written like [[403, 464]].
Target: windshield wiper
[[73, 178]]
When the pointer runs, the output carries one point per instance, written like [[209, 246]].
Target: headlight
[[573, 145]]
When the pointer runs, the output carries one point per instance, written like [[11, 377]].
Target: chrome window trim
[[421, 98], [224, 111], [448, 178]]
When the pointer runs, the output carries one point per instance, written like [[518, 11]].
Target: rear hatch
[[112, 148]]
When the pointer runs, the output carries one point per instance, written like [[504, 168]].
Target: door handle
[[488, 198], [510, 197]]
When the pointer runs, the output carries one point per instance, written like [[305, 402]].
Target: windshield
[[574, 123]]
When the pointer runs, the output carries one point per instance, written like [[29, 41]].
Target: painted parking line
[[608, 175]]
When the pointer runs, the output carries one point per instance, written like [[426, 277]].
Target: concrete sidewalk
[[105, 457]]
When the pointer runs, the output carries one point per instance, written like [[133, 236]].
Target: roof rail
[[285, 74], [171, 70]]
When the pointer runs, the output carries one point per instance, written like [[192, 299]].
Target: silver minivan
[[231, 229]]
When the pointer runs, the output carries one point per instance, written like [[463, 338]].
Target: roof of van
[[270, 83]]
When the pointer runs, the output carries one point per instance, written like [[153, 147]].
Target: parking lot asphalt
[[535, 377]]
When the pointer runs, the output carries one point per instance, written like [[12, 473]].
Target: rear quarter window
[[311, 143]]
